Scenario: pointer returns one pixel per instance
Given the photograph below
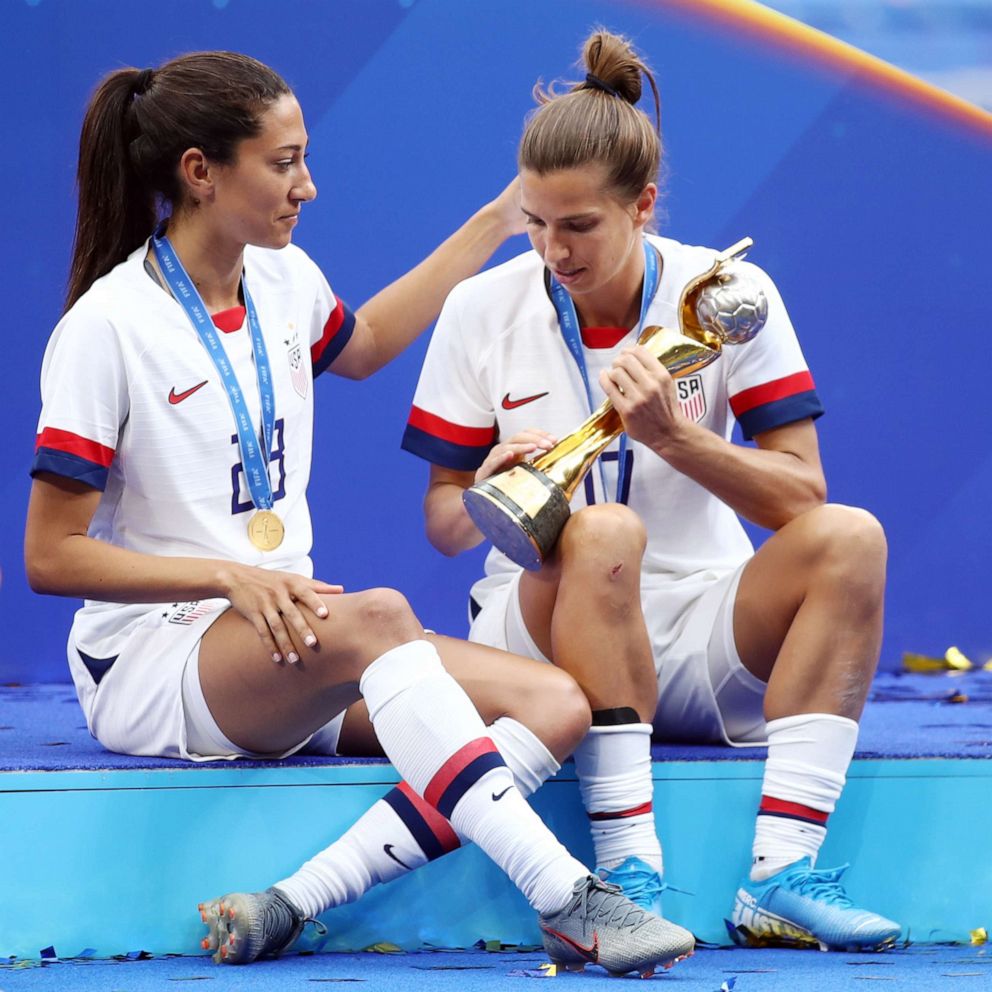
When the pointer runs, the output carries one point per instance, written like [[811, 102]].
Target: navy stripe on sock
[[792, 816], [415, 823], [465, 779]]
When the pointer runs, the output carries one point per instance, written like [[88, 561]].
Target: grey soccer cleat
[[243, 927], [599, 925]]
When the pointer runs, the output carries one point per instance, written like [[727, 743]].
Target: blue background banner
[[867, 200]]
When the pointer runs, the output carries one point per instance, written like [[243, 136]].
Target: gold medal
[[265, 530]]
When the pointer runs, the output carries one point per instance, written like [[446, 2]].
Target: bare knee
[[370, 622], [844, 549], [852, 538], [608, 536], [555, 708]]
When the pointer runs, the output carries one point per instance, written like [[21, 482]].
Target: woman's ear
[[196, 175], [644, 204]]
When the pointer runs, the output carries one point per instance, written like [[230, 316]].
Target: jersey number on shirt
[[611, 456], [277, 459]]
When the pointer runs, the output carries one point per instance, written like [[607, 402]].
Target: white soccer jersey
[[133, 406], [498, 364]]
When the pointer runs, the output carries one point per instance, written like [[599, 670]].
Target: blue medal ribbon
[[568, 322], [254, 457]]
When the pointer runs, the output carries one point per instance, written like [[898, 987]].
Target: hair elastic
[[598, 84], [141, 82]]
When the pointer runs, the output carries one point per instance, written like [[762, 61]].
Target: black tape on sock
[[616, 716]]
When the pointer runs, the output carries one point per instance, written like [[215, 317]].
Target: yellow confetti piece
[[953, 661], [956, 660], [922, 663], [550, 970], [979, 935], [383, 947]]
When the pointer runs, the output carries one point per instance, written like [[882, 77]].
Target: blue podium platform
[[112, 853]]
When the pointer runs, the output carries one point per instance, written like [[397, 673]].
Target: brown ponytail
[[137, 126], [596, 120]]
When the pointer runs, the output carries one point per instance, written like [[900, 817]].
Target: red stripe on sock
[[457, 763], [438, 825], [621, 814], [769, 804]]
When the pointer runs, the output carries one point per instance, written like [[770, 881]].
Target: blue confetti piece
[[86, 953], [48, 954], [728, 985]]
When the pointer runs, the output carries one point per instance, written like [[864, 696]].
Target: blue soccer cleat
[[641, 884], [801, 906]]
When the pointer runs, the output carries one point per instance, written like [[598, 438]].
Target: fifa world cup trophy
[[523, 509]]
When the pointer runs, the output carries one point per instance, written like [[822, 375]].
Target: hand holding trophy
[[523, 509]]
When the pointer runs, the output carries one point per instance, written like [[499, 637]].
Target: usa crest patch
[[297, 370], [692, 398]]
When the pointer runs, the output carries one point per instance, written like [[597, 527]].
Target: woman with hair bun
[[654, 599], [170, 478]]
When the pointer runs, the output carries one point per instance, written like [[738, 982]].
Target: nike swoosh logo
[[388, 848], [497, 796], [175, 397], [509, 404], [590, 953]]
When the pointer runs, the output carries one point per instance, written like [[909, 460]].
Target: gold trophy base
[[521, 511]]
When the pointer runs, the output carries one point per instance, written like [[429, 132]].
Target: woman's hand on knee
[[277, 605]]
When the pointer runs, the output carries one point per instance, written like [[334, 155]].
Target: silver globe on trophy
[[523, 509]]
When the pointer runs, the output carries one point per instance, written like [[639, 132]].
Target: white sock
[[401, 831], [613, 765], [434, 737], [525, 755], [808, 758]]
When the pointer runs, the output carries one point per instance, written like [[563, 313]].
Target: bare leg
[[808, 620], [540, 697], [583, 609], [269, 707], [808, 616], [372, 644]]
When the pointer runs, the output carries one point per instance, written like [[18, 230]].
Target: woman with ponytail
[[654, 599], [170, 479]]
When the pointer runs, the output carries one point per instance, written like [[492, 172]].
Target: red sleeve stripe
[[73, 444], [438, 427], [331, 327], [769, 392]]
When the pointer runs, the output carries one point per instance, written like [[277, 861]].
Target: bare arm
[[449, 527], [398, 314], [62, 560], [769, 485]]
